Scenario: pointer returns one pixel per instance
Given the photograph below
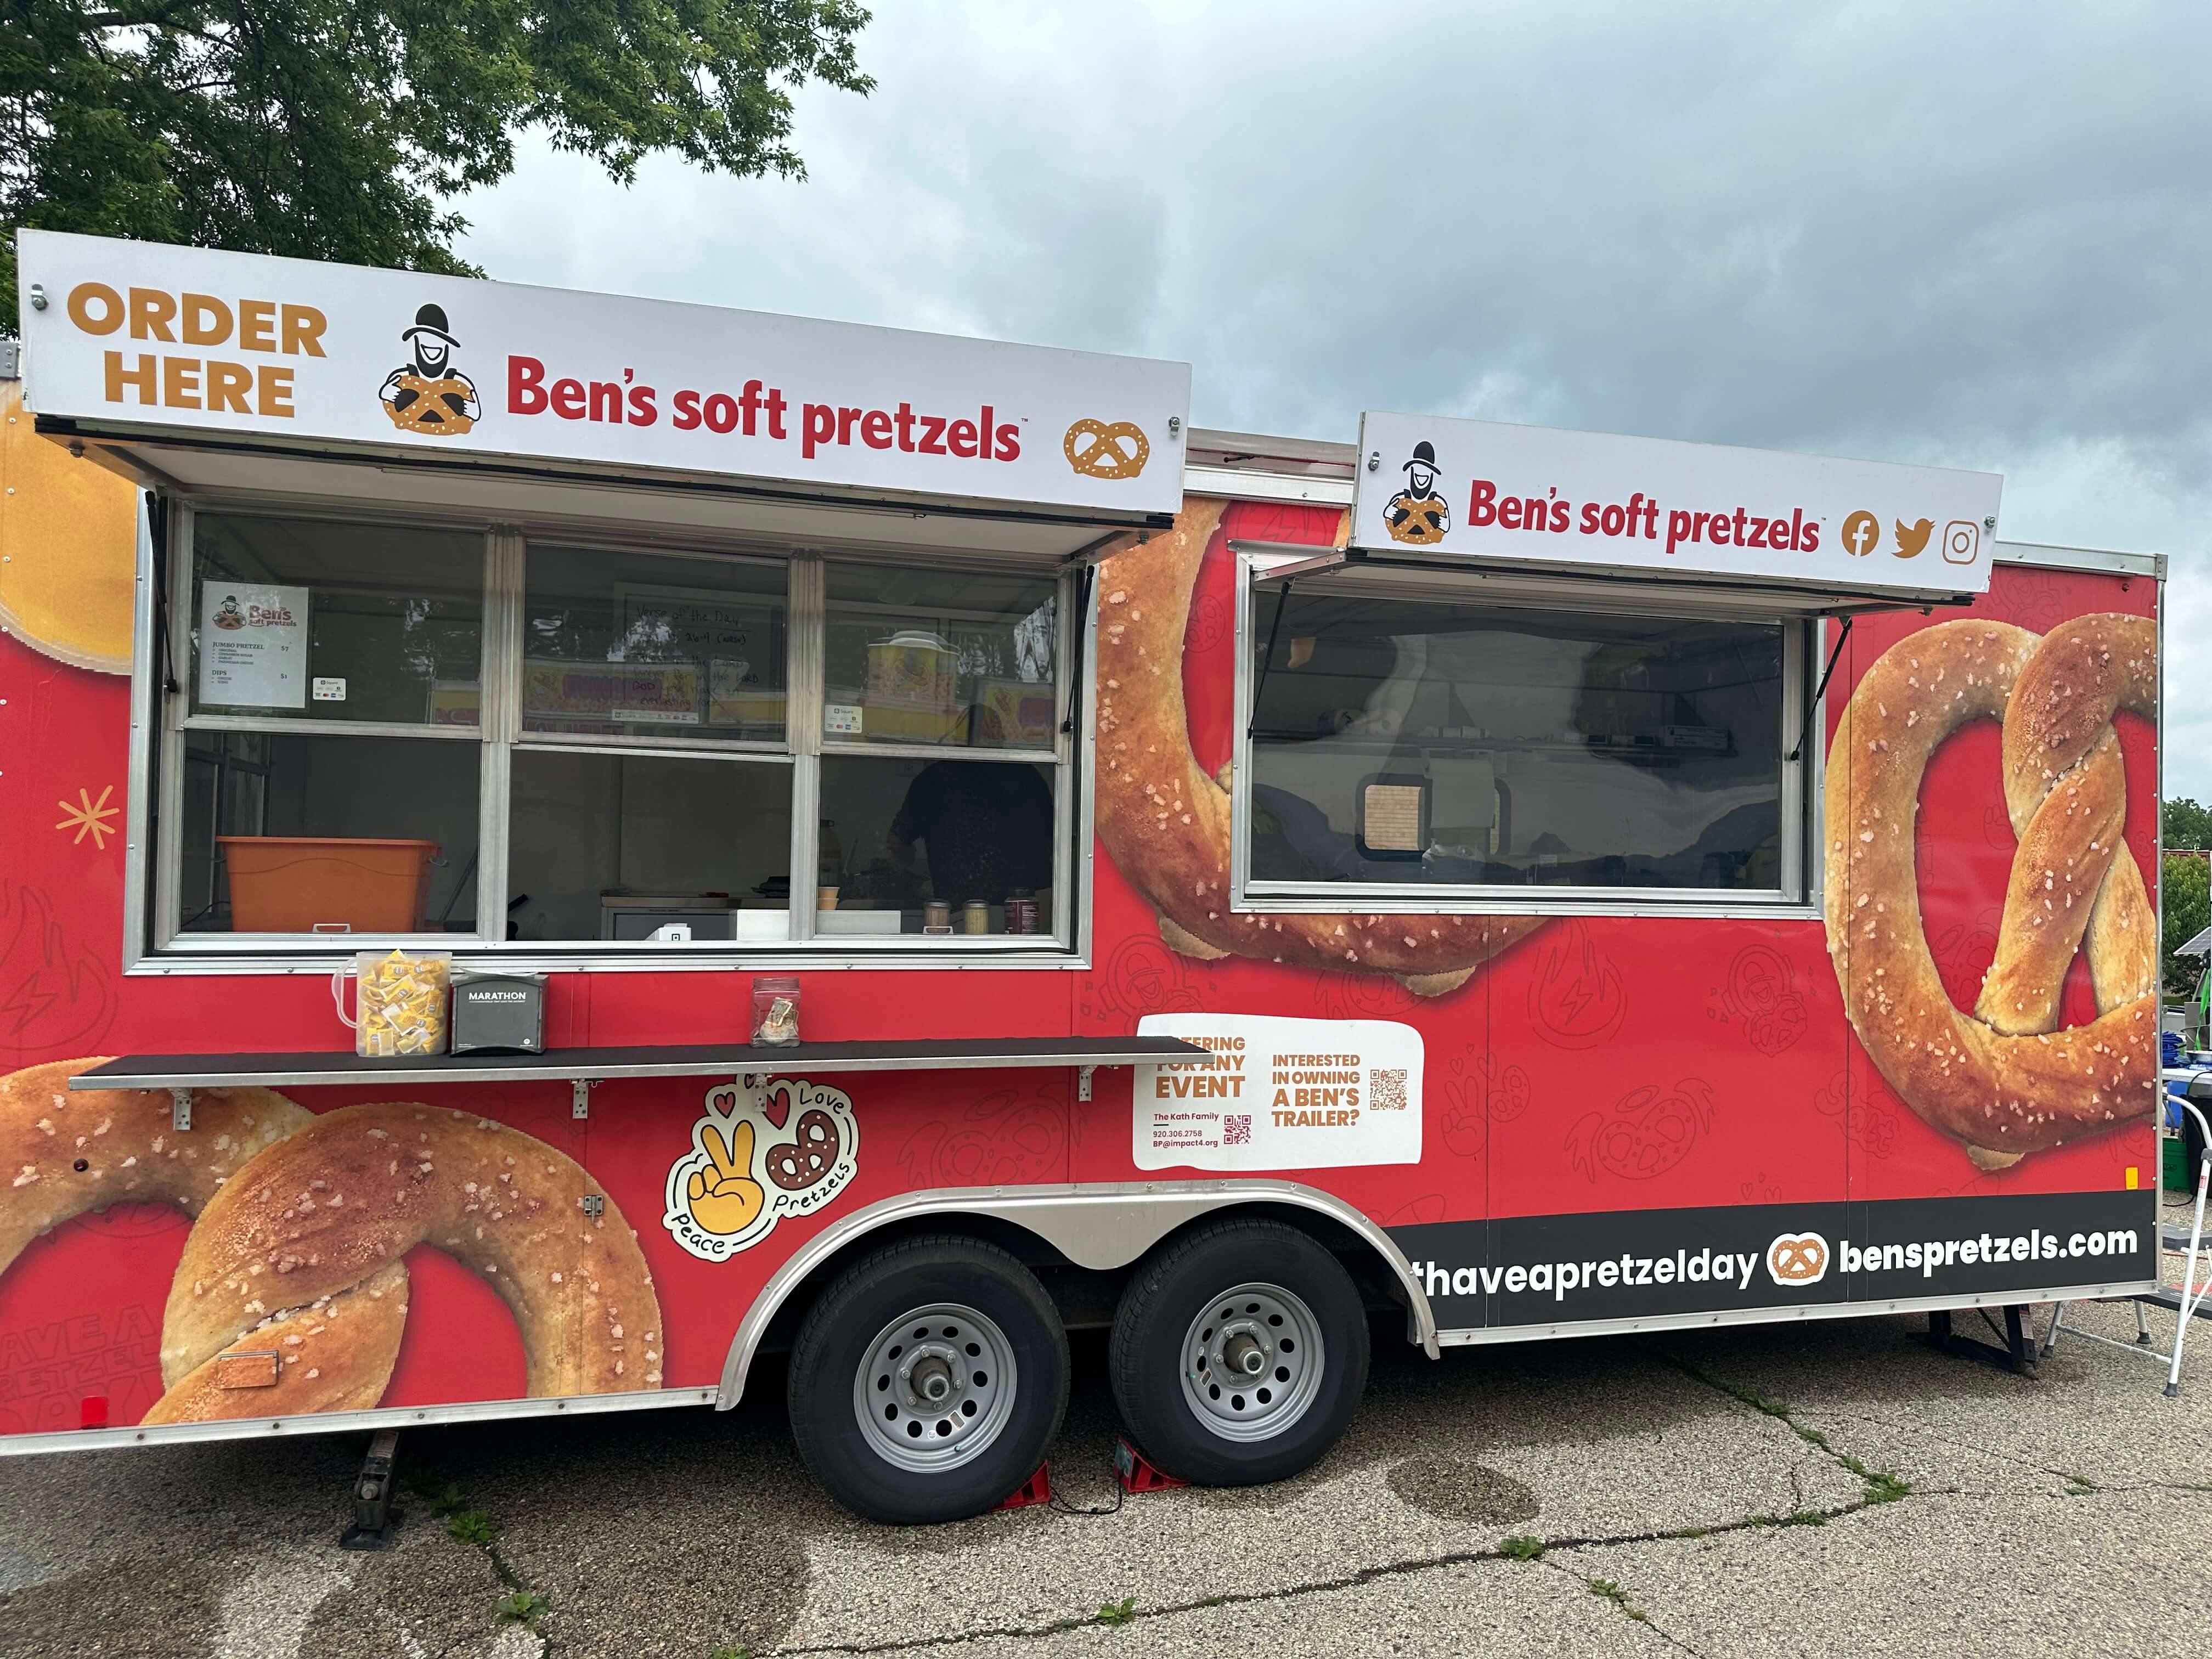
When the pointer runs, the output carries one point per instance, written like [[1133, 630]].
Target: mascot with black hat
[[429, 395], [1416, 513]]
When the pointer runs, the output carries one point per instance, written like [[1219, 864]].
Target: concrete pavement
[[1818, 1488]]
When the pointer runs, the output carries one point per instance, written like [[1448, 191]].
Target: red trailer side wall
[[1678, 1085]]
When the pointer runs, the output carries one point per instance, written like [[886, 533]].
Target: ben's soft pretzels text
[[1166, 822], [2005, 1081]]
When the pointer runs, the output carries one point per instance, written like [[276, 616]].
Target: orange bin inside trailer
[[298, 884]]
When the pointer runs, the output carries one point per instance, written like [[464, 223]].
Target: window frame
[[162, 716], [1804, 781]]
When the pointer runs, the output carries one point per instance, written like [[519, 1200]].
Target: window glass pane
[[898, 835], [918, 656], [1415, 741], [649, 646], [289, 834], [319, 620], [626, 847]]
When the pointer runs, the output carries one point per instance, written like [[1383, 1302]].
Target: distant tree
[[2184, 824], [341, 129], [2186, 892]]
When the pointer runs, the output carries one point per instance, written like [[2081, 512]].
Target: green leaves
[[2185, 888], [337, 129]]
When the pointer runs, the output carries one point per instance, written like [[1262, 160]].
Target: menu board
[[252, 644]]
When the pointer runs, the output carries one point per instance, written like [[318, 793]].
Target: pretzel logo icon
[[2010, 1078], [1098, 450], [1798, 1259]]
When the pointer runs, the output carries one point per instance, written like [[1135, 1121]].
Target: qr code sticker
[[1236, 1129], [1386, 1091]]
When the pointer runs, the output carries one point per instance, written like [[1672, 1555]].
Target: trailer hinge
[[1083, 1081], [580, 1097], [180, 1109], [595, 1204]]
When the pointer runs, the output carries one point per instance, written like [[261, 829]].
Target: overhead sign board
[[151, 336], [1532, 495]]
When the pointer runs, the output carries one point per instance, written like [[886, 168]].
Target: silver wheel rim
[[935, 1387], [1252, 1362]]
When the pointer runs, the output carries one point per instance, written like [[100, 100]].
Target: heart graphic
[[775, 1104]]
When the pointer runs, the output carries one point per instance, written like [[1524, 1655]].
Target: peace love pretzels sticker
[[757, 1155], [1098, 450]]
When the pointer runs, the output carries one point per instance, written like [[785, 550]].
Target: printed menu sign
[[253, 646], [1281, 1094]]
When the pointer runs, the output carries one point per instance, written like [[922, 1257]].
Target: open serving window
[[1554, 670], [588, 629]]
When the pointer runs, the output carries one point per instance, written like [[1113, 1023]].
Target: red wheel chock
[[1137, 1475], [1037, 1489]]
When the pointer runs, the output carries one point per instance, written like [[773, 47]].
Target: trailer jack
[[2016, 1356], [373, 1514]]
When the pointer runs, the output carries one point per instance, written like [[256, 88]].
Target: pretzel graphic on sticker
[[1098, 450], [1798, 1259]]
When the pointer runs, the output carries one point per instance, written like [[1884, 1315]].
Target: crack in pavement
[[1354, 1580], [1607, 1589], [1881, 1488]]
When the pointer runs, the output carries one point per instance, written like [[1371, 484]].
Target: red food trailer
[[1208, 886]]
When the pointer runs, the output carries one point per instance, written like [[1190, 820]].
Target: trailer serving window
[[1412, 747], [588, 745]]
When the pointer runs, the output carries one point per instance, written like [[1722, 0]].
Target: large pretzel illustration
[[1098, 450], [301, 1224], [2005, 1081], [1166, 822]]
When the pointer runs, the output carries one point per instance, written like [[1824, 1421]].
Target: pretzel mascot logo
[[1417, 514], [429, 395], [2005, 1080], [1098, 450], [757, 1155], [1798, 1259]]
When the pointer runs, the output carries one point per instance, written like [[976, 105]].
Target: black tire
[[842, 1333], [1161, 1307]]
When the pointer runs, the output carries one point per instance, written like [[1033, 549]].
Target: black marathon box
[[499, 1013]]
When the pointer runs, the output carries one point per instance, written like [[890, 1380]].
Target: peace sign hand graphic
[[724, 1198]]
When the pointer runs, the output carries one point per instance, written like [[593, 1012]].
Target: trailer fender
[[1102, 1225]]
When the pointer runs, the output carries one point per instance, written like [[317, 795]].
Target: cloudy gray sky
[[1969, 235]]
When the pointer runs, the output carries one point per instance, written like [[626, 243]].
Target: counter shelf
[[582, 1067]]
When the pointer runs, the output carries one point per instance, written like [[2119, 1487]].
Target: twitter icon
[[1912, 541]]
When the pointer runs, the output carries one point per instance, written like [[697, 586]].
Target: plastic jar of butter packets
[[403, 1003]]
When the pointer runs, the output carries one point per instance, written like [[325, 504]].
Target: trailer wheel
[[928, 1380], [1239, 1354]]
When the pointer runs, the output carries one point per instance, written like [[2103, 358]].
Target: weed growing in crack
[[519, 1608], [1522, 1547], [1885, 1488], [1123, 1612], [1619, 1597], [471, 1526], [1881, 1487], [728, 1652], [2079, 1485]]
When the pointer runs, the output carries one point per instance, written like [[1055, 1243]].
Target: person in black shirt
[[987, 825]]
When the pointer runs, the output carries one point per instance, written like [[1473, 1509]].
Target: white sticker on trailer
[[1281, 1094]]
